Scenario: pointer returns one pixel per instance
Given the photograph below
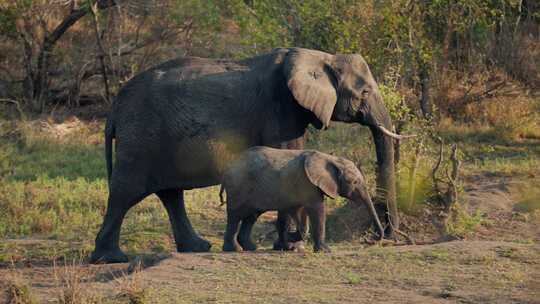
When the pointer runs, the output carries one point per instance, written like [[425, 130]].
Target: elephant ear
[[322, 172], [311, 82]]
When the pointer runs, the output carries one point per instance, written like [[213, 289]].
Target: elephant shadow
[[137, 264], [344, 223]]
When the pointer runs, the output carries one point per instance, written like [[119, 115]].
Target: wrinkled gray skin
[[177, 125], [265, 179]]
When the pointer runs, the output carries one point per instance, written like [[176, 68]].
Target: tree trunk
[[40, 81], [101, 55], [425, 100], [447, 39]]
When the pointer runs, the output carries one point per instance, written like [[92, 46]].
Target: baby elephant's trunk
[[373, 213], [376, 219]]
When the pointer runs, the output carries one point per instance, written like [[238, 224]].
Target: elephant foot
[[108, 257], [294, 237], [247, 245], [321, 248], [278, 245], [298, 246], [196, 245], [283, 246], [389, 234], [232, 247]]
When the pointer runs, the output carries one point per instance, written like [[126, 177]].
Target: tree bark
[[447, 38], [425, 100], [40, 78], [101, 55]]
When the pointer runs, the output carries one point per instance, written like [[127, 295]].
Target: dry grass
[[489, 98], [470, 272], [70, 279], [460, 270], [53, 195], [520, 120], [54, 186], [131, 289], [17, 290]]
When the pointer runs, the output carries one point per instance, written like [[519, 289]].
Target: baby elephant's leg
[[229, 241], [282, 226], [317, 217], [291, 240], [301, 222], [244, 235]]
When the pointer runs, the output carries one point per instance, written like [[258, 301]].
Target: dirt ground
[[499, 263]]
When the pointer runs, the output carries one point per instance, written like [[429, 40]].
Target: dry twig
[[16, 103]]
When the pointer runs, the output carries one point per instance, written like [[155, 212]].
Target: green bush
[[461, 224]]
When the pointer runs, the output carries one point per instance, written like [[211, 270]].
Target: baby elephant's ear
[[322, 172]]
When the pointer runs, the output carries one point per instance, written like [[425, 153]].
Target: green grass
[[437, 254], [55, 188], [462, 224], [53, 195], [353, 278], [529, 200], [485, 149]]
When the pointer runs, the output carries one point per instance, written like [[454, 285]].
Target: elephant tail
[[109, 135], [221, 198]]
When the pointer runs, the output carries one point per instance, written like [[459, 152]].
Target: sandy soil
[[500, 263]]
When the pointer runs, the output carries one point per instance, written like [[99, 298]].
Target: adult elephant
[[178, 125]]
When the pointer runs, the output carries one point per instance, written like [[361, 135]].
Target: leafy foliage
[[405, 42]]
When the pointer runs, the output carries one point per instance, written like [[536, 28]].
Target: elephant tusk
[[392, 134]]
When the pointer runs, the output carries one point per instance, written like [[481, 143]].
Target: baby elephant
[[264, 179]]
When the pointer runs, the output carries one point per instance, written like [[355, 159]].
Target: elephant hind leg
[[287, 239], [244, 235], [107, 248], [185, 237], [300, 217], [283, 224], [230, 242]]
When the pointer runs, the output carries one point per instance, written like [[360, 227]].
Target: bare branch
[[452, 193], [17, 105], [40, 81], [101, 55], [403, 234], [489, 92], [436, 168]]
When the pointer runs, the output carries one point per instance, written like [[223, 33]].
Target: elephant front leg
[[317, 217], [185, 237], [298, 215]]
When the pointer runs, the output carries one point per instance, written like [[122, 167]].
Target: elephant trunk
[[386, 176], [375, 217]]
